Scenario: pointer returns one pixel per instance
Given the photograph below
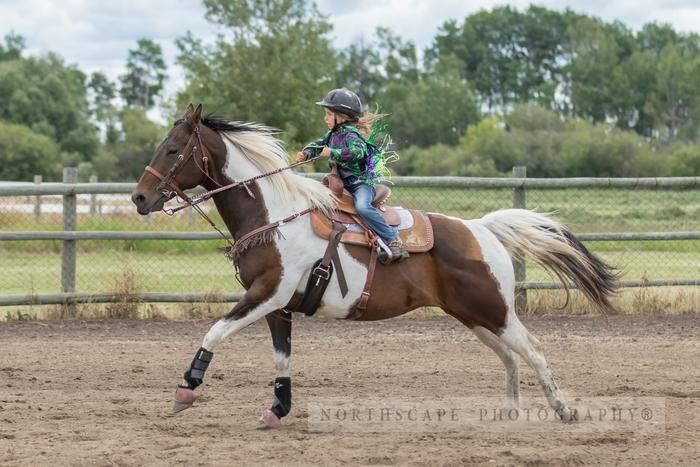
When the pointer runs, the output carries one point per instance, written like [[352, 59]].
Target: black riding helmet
[[344, 101]]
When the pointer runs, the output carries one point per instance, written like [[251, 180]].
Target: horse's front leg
[[255, 304], [280, 324]]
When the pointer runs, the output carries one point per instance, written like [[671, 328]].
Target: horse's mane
[[260, 146]]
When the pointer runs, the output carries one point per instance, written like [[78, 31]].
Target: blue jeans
[[363, 195]]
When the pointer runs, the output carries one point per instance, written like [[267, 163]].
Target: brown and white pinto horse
[[468, 273]]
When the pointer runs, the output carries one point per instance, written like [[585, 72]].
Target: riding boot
[[398, 251]]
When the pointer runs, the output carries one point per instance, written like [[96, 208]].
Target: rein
[[168, 181], [193, 201]]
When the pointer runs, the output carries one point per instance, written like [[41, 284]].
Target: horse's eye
[[172, 151]]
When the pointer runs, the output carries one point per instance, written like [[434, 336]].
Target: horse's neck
[[240, 212]]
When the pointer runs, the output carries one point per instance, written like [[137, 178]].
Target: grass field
[[197, 266], [205, 272], [105, 271], [585, 210]]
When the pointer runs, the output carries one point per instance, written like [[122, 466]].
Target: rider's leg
[[363, 195]]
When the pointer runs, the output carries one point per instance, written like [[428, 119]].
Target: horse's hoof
[[566, 415], [270, 420], [184, 398]]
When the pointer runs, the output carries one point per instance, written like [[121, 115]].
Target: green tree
[[600, 150], [50, 98], [367, 67], [654, 37], [489, 140], [14, 45], [674, 103], [486, 44], [577, 65], [399, 58], [103, 109], [24, 152], [274, 62], [509, 56], [359, 69], [597, 86], [436, 109], [125, 158], [554, 147], [145, 73], [441, 160], [684, 160]]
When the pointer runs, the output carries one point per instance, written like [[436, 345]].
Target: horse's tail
[[533, 235]]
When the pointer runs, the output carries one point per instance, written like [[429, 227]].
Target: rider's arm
[[314, 148]]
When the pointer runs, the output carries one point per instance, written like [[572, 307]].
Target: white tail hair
[[537, 236]]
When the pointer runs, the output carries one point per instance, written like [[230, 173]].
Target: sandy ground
[[99, 392]]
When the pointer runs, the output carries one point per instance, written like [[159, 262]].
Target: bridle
[[168, 187]]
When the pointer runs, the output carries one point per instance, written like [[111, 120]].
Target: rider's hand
[[326, 152], [301, 156]]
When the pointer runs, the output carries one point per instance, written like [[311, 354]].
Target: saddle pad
[[415, 230]]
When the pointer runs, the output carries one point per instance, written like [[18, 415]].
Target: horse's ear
[[195, 116], [188, 110]]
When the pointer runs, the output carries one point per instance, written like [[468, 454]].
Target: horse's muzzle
[[144, 205]]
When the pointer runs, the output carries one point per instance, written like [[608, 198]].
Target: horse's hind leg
[[509, 359], [507, 356], [517, 337], [280, 324]]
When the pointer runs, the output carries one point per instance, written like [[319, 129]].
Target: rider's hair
[[364, 123]]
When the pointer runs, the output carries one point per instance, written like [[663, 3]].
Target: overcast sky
[[96, 35]]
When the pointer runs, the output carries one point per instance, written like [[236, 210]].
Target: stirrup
[[383, 252]]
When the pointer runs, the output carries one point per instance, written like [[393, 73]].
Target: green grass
[[210, 272], [583, 210], [197, 266], [641, 265], [101, 271]]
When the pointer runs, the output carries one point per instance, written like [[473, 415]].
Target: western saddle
[[343, 226]]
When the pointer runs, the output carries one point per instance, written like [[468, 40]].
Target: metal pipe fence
[[85, 239]]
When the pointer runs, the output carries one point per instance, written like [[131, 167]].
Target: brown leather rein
[[168, 181]]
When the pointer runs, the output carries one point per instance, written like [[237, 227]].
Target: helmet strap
[[336, 123]]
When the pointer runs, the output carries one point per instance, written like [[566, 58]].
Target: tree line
[[564, 93]]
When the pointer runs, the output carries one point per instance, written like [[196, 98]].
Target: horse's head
[[179, 163]]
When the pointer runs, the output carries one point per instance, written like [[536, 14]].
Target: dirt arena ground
[[100, 392]]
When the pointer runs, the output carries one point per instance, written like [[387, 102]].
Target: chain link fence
[[199, 266]]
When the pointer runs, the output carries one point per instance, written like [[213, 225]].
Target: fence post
[[93, 197], [68, 254], [37, 201], [519, 263]]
